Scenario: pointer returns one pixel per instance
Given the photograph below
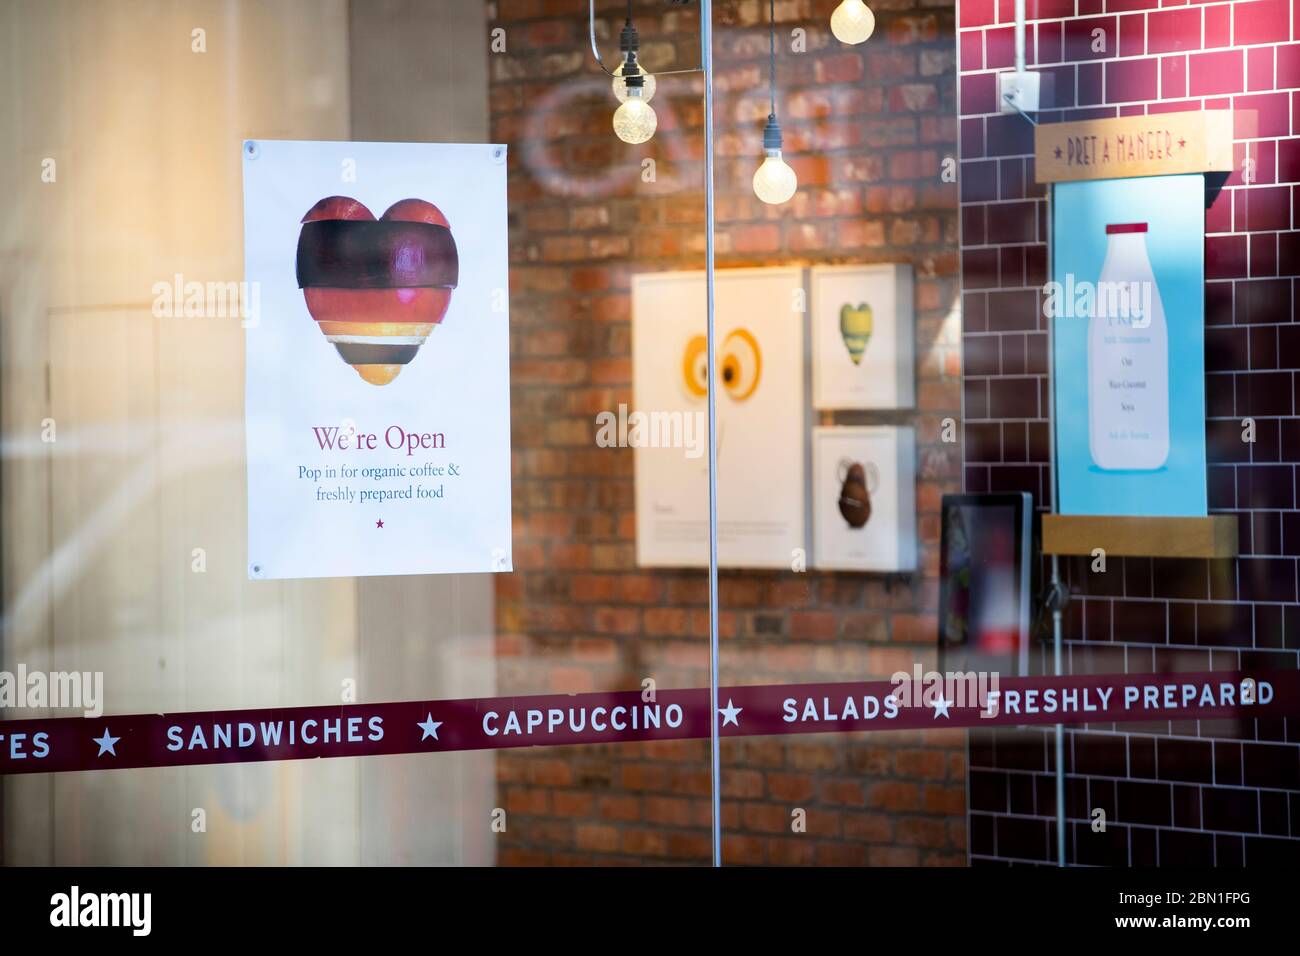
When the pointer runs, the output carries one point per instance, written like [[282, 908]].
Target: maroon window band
[[352, 254], [51, 745]]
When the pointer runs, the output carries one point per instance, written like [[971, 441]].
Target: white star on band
[[941, 706], [730, 713], [106, 744], [429, 726]]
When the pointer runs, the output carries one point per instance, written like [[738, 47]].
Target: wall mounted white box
[[848, 370], [887, 541], [1018, 92]]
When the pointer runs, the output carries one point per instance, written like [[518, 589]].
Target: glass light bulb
[[852, 22], [774, 181], [620, 85], [635, 120]]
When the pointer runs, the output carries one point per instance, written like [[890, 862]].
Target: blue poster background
[[1174, 208]]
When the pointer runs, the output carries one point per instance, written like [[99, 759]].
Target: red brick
[[1083, 43], [841, 68], [860, 233], [949, 801], [913, 98], [971, 47], [978, 93], [1218, 26], [1215, 73], [922, 831], [1049, 40], [894, 795], [1090, 80], [870, 827], [1261, 21], [1259, 68], [1288, 66], [527, 800], [1173, 76], [1132, 35], [1174, 31], [892, 856], [1271, 115], [926, 764], [569, 803], [1129, 80], [1050, 9], [815, 625], [1288, 161], [1268, 208], [976, 13]]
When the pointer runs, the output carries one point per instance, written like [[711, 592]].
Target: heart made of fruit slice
[[379, 330]]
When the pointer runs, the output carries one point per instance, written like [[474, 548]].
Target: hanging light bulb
[[635, 120], [774, 181], [852, 22], [620, 84]]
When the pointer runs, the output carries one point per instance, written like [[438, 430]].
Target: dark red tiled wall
[[1227, 792]]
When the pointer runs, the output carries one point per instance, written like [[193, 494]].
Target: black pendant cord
[[629, 43], [771, 72], [772, 130]]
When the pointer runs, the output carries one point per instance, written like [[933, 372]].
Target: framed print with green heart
[[862, 336]]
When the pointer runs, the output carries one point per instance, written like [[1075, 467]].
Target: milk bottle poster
[[1127, 307], [377, 389]]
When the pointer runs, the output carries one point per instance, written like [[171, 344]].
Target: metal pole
[[1058, 592], [1060, 728], [715, 760], [1020, 35]]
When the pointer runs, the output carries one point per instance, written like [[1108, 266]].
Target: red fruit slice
[[338, 207], [416, 210], [423, 305]]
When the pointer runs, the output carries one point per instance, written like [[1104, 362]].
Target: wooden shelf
[[1214, 536]]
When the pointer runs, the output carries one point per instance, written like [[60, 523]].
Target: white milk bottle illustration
[[1128, 358]]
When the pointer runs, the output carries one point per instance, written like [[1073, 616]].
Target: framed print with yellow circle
[[762, 415]]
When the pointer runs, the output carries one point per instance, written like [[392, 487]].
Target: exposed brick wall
[[867, 129], [1223, 793]]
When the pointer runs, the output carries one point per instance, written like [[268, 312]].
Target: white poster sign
[[761, 412], [377, 392]]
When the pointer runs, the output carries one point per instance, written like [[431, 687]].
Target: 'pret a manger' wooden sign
[[1161, 144]]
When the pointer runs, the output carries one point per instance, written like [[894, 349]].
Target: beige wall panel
[[100, 527]]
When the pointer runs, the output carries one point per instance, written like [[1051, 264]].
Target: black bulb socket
[[772, 133], [629, 41]]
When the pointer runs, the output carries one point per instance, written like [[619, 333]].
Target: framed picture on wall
[[862, 336], [864, 498], [762, 415], [1129, 370]]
